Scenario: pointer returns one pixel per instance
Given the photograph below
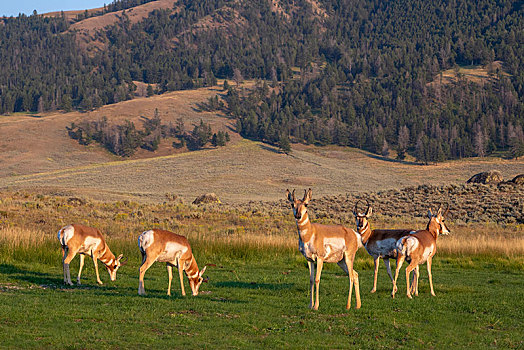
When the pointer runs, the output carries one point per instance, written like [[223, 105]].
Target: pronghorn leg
[[320, 263], [357, 288], [170, 277], [377, 261], [400, 261], [412, 266], [82, 256], [417, 275], [95, 262], [388, 268], [181, 274], [146, 264], [311, 266], [68, 256], [349, 264], [430, 276], [64, 255]]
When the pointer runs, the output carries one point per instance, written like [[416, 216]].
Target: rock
[[486, 177], [207, 198]]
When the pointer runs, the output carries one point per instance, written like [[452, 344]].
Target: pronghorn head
[[436, 221], [114, 266], [362, 218], [195, 283], [299, 206]]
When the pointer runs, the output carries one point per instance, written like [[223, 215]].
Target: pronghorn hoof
[[100, 282], [409, 296], [373, 290]]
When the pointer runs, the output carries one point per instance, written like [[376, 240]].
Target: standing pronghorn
[[378, 243], [418, 248], [86, 240], [325, 243], [174, 250]]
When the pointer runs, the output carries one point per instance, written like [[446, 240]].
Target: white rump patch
[[65, 234], [145, 240], [409, 245]]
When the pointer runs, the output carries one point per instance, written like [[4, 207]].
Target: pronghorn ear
[[202, 271], [369, 212], [307, 195], [120, 257], [439, 212], [289, 198], [430, 214]]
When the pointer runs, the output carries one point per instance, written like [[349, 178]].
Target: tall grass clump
[[21, 244]]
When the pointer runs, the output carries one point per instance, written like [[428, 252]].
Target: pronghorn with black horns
[[378, 243], [174, 250], [325, 243], [84, 240], [418, 248]]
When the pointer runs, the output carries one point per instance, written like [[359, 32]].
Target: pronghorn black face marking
[[362, 219], [299, 206], [438, 218]]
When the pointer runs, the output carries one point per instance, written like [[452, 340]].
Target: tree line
[[359, 76], [125, 139]]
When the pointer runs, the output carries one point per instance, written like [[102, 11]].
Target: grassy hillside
[[38, 154]]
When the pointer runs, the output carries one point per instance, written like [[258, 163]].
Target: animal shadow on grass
[[34, 277], [44, 279]]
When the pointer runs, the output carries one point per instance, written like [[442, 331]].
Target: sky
[[14, 7]]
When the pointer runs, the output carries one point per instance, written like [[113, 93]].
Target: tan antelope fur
[[324, 243], [378, 243], [84, 240], [174, 250], [418, 248]]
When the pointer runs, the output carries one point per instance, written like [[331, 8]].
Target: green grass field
[[260, 300]]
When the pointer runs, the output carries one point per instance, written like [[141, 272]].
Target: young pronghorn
[[418, 248], [325, 243], [86, 240], [378, 243], [174, 250]]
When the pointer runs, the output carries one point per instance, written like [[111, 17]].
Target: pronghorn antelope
[[378, 243], [86, 240], [325, 243], [418, 248], [174, 250]]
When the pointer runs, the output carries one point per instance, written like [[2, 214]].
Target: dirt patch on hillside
[[86, 30]]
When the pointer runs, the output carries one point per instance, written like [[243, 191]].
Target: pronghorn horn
[[355, 210], [293, 194], [369, 207], [122, 263], [447, 210], [305, 195]]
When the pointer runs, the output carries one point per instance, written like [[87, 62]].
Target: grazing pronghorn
[[174, 250], [86, 240], [378, 243], [325, 243], [418, 248]]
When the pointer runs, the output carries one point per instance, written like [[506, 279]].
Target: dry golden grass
[[12, 238]]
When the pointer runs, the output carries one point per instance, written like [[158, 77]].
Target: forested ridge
[[359, 73]]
